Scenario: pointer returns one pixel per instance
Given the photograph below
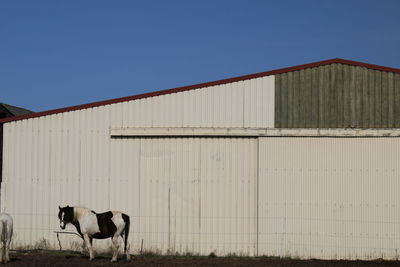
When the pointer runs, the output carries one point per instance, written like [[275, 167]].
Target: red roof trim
[[201, 85]]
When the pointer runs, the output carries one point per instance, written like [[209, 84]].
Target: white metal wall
[[317, 197], [188, 195], [69, 158], [329, 197], [247, 103]]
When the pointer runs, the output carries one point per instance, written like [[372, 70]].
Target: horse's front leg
[[88, 242]]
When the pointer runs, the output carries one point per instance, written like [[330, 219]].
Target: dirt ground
[[53, 258]]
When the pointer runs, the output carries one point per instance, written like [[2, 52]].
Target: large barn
[[296, 162]]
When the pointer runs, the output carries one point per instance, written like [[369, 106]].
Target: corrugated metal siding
[[329, 197], [241, 104], [197, 195], [184, 195], [336, 96], [69, 158], [318, 197]]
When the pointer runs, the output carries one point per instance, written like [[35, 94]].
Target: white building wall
[[70, 158], [188, 195], [318, 197], [332, 198], [247, 103]]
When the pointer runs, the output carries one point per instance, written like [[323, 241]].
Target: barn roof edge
[[200, 85]]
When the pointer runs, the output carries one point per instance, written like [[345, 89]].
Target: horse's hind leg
[[127, 248], [2, 243], [127, 252], [115, 248], [2, 251], [7, 249]]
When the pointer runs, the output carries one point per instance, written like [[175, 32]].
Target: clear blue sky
[[61, 53]]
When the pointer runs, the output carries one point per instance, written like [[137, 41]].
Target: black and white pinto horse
[[6, 232], [90, 224]]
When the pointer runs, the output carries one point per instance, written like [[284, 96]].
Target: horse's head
[[66, 215]]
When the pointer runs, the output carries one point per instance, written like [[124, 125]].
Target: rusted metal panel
[[348, 96]]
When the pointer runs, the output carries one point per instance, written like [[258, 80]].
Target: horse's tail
[[3, 239], [4, 231], [126, 230]]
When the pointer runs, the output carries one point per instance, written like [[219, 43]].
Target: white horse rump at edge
[[6, 232]]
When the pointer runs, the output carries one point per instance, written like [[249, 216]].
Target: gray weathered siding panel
[[391, 100], [296, 98], [337, 96], [290, 99], [346, 97], [284, 97], [333, 98], [385, 102], [353, 91], [378, 99], [371, 97], [340, 93], [314, 98], [278, 109], [321, 97], [302, 99], [365, 99], [307, 98], [358, 118], [397, 100]]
